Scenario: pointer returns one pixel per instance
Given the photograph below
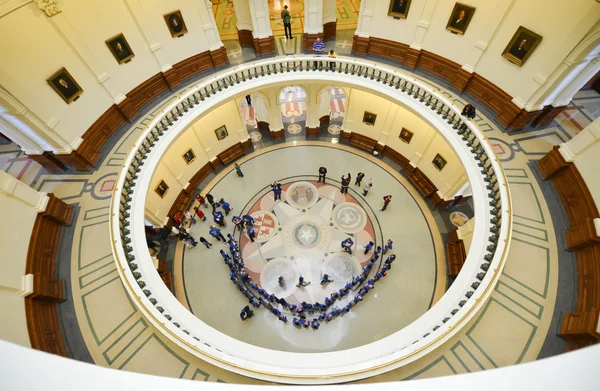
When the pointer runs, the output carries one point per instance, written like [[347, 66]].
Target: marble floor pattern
[[510, 329], [401, 297]]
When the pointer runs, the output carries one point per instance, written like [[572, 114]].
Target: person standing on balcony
[[287, 22]]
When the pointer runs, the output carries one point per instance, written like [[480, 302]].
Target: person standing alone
[[386, 201], [322, 173], [287, 22]]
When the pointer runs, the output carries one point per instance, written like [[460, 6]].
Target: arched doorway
[[255, 116], [292, 101], [332, 111]]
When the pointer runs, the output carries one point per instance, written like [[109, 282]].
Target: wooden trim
[[391, 50], [363, 142], [399, 159], [547, 115], [277, 134], [40, 306], [245, 38], [264, 46], [313, 132], [578, 327], [191, 66], [172, 78], [360, 45], [219, 57], [231, 154], [49, 161], [461, 80], [329, 30], [438, 65], [422, 183], [345, 137], [412, 57]]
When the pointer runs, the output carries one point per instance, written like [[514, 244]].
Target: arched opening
[[292, 102], [332, 111], [255, 116]]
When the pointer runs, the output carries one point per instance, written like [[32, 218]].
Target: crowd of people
[[333, 306]]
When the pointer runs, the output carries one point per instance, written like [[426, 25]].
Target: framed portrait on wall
[[521, 45], [162, 189], [189, 156], [175, 24], [221, 132], [399, 8], [369, 118], [406, 135], [120, 49], [64, 85], [460, 18], [439, 162]]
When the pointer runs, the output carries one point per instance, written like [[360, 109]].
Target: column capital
[[49, 7]]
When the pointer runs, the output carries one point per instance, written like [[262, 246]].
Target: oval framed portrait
[[175, 23]]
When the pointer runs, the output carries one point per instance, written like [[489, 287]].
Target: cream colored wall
[[424, 145], [587, 164], [562, 25], [32, 50], [13, 327], [15, 232], [202, 139], [35, 46]]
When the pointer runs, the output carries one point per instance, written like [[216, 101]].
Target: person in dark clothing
[[322, 173], [281, 281], [325, 280], [249, 100], [287, 22], [359, 178], [205, 242], [276, 191], [345, 184], [386, 201], [469, 111], [369, 246], [246, 313], [251, 232], [301, 282], [211, 201], [238, 170]]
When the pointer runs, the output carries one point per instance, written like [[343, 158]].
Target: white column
[[455, 187], [555, 83], [423, 24], [329, 8], [344, 121], [578, 144], [502, 7], [210, 25], [275, 123], [243, 15], [579, 81], [204, 142], [14, 188], [313, 16], [365, 16], [422, 148], [27, 145], [139, 15], [63, 25], [261, 25]]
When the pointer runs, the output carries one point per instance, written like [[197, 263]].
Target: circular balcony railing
[[468, 293]]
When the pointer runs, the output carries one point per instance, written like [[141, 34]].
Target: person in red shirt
[[200, 214], [201, 200], [386, 201], [177, 218]]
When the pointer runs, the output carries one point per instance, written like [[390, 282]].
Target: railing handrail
[[445, 326]]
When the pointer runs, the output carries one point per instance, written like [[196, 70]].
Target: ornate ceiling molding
[[7, 6], [49, 7]]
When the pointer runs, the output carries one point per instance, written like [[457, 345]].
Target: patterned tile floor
[[510, 329]]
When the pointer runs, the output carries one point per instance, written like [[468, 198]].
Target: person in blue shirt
[[224, 255], [305, 323], [296, 322], [254, 303], [315, 324], [216, 233], [251, 232], [347, 245], [246, 313], [369, 246], [325, 280], [238, 222], [248, 220], [388, 246], [301, 283], [283, 318], [377, 251], [292, 307], [355, 300], [328, 302], [218, 218], [226, 206], [276, 191], [390, 260], [281, 281], [318, 48]]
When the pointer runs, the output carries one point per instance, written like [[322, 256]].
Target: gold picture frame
[[162, 189], [175, 24], [399, 8], [120, 49], [521, 46], [439, 162], [65, 85], [369, 118], [189, 156], [221, 132], [460, 18], [406, 135]]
